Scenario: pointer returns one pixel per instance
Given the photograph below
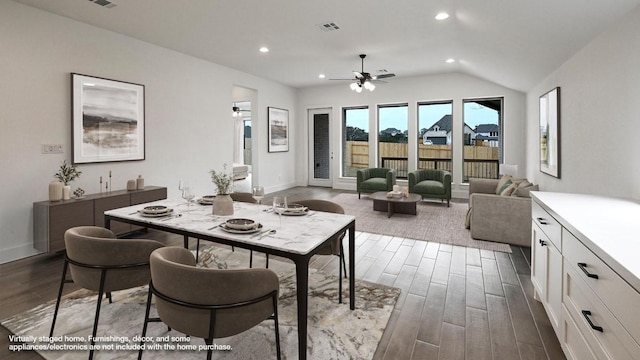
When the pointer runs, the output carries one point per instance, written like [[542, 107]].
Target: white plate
[[205, 202], [142, 213], [223, 227]]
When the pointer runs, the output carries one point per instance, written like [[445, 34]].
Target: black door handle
[[586, 314], [542, 243], [542, 221], [583, 267]]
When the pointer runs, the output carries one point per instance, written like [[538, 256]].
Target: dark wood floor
[[456, 302]]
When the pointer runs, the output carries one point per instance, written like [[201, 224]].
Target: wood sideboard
[[52, 218]]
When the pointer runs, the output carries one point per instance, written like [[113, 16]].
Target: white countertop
[[609, 227], [298, 234]]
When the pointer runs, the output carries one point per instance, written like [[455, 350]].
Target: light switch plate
[[52, 149]]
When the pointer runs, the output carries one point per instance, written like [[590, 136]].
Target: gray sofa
[[499, 218]]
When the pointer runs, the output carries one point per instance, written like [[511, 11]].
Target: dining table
[[297, 236]]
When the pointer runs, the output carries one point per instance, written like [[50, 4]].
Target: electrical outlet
[[52, 149]]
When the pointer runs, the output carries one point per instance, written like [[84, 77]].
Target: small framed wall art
[[107, 120], [278, 129], [550, 132]]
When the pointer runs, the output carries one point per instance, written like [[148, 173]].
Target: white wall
[[600, 116], [188, 114], [453, 86]]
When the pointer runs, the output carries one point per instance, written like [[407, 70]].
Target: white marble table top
[[298, 234]]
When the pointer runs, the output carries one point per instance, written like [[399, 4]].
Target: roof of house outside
[[486, 128]]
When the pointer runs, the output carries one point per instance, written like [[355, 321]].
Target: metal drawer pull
[[583, 267], [542, 243], [542, 221], [586, 314]]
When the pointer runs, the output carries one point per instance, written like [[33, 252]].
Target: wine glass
[[258, 193], [279, 206], [188, 195]]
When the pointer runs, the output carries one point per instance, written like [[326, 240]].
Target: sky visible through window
[[396, 117]]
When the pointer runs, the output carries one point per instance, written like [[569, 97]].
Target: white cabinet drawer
[[575, 346], [605, 335], [547, 223], [620, 298]]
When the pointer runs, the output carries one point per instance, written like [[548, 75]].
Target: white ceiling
[[515, 43]]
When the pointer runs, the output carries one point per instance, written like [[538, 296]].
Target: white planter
[[55, 191], [222, 205]]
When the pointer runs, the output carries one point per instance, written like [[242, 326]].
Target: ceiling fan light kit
[[364, 79]]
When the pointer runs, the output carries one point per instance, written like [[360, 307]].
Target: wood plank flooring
[[456, 302]]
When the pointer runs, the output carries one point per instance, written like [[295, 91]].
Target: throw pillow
[[467, 220], [509, 190], [501, 183], [524, 191], [504, 186], [525, 183]]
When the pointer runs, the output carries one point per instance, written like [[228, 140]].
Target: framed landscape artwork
[[278, 129], [107, 120], [550, 133]]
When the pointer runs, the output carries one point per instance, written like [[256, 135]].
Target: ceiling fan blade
[[383, 76], [358, 75], [345, 79]]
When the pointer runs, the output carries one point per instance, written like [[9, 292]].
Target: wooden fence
[[479, 161]]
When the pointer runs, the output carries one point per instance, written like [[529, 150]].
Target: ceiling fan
[[364, 79]]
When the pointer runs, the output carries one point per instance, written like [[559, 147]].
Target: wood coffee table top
[[382, 196]]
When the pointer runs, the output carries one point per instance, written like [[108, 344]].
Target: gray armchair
[[431, 184], [98, 261], [335, 247], [209, 303], [375, 179]]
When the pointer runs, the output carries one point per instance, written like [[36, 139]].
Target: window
[[482, 134], [393, 121], [434, 135], [355, 140]]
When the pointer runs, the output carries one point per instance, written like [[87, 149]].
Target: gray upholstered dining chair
[[98, 261], [209, 303], [335, 247]]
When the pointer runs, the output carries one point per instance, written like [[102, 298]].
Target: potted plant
[[222, 203], [66, 174]]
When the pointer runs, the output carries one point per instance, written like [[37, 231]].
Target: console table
[[586, 273], [52, 218]]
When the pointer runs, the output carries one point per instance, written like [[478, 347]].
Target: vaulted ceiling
[[515, 43]]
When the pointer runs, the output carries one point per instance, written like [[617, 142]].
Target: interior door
[[320, 153]]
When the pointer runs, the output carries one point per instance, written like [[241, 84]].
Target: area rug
[[334, 331], [434, 222]]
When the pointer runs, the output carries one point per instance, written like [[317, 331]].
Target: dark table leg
[[352, 266], [186, 242], [302, 289]]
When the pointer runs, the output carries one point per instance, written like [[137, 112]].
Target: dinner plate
[[295, 212], [236, 231], [155, 209], [151, 215]]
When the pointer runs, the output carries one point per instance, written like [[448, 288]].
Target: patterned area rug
[[435, 222], [334, 331]]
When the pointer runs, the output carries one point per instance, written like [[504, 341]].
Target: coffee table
[[401, 205]]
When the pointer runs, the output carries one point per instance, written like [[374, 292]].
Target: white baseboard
[[17, 253]]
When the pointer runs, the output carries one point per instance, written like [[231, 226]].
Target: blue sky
[[396, 117]]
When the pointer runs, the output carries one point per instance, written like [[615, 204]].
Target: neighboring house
[[440, 133], [489, 134]]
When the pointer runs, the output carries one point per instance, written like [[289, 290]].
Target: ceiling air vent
[[105, 3], [329, 26]]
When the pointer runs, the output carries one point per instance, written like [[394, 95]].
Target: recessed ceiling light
[[321, 76], [449, 61], [264, 49], [442, 16]]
